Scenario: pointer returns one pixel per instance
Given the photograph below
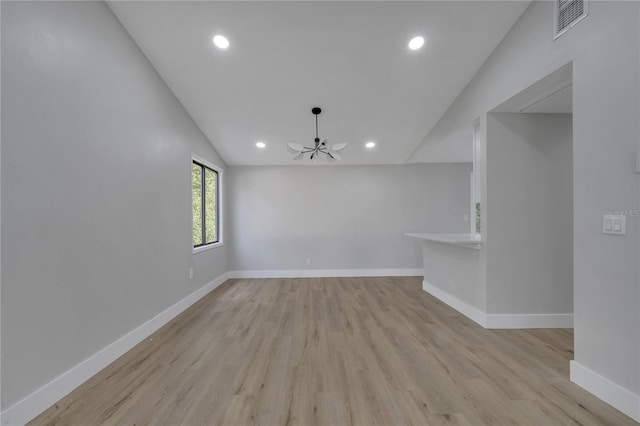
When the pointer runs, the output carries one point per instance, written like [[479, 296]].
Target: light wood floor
[[335, 351]]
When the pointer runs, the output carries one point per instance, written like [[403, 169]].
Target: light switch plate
[[615, 224]]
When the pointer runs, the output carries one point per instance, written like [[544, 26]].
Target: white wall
[[457, 272], [529, 193], [605, 52], [346, 217], [96, 170]]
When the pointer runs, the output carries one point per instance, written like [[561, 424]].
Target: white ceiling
[[349, 58]]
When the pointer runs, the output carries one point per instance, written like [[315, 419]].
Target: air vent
[[567, 14]]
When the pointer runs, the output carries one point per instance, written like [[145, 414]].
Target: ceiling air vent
[[567, 14]]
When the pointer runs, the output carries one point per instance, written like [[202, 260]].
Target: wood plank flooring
[[335, 351]]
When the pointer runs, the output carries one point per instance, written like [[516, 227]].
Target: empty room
[[320, 212]]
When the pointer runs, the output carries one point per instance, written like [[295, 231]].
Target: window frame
[[219, 203]]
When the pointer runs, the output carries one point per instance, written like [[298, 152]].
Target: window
[[205, 203]]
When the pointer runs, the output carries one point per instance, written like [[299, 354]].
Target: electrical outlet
[[190, 273], [309, 261]]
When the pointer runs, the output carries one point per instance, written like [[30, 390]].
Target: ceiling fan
[[331, 151]]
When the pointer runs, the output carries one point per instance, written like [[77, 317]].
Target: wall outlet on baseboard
[[308, 261], [190, 273]]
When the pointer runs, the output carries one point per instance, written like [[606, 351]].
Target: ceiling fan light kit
[[330, 151]]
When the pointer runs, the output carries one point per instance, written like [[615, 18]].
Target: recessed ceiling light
[[370, 144], [416, 43], [261, 144], [221, 41]]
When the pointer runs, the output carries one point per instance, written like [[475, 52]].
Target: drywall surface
[[530, 258], [604, 48], [96, 213], [347, 217], [457, 271]]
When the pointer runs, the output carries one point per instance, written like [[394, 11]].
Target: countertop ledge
[[473, 241]]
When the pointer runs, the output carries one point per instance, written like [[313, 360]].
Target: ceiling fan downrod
[[331, 152]]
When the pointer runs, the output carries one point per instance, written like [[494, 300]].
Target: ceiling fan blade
[[324, 142], [335, 155], [338, 146], [331, 157], [294, 148], [297, 156]]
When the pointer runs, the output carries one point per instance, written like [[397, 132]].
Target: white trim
[[34, 404], [529, 321], [613, 394], [220, 201], [498, 321], [317, 273], [464, 308]]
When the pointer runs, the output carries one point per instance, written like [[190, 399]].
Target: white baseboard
[[495, 321], [613, 394], [321, 273], [464, 308], [34, 404], [529, 321]]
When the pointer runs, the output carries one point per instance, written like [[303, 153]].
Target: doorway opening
[[529, 175]]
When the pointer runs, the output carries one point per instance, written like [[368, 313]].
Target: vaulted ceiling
[[349, 58]]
